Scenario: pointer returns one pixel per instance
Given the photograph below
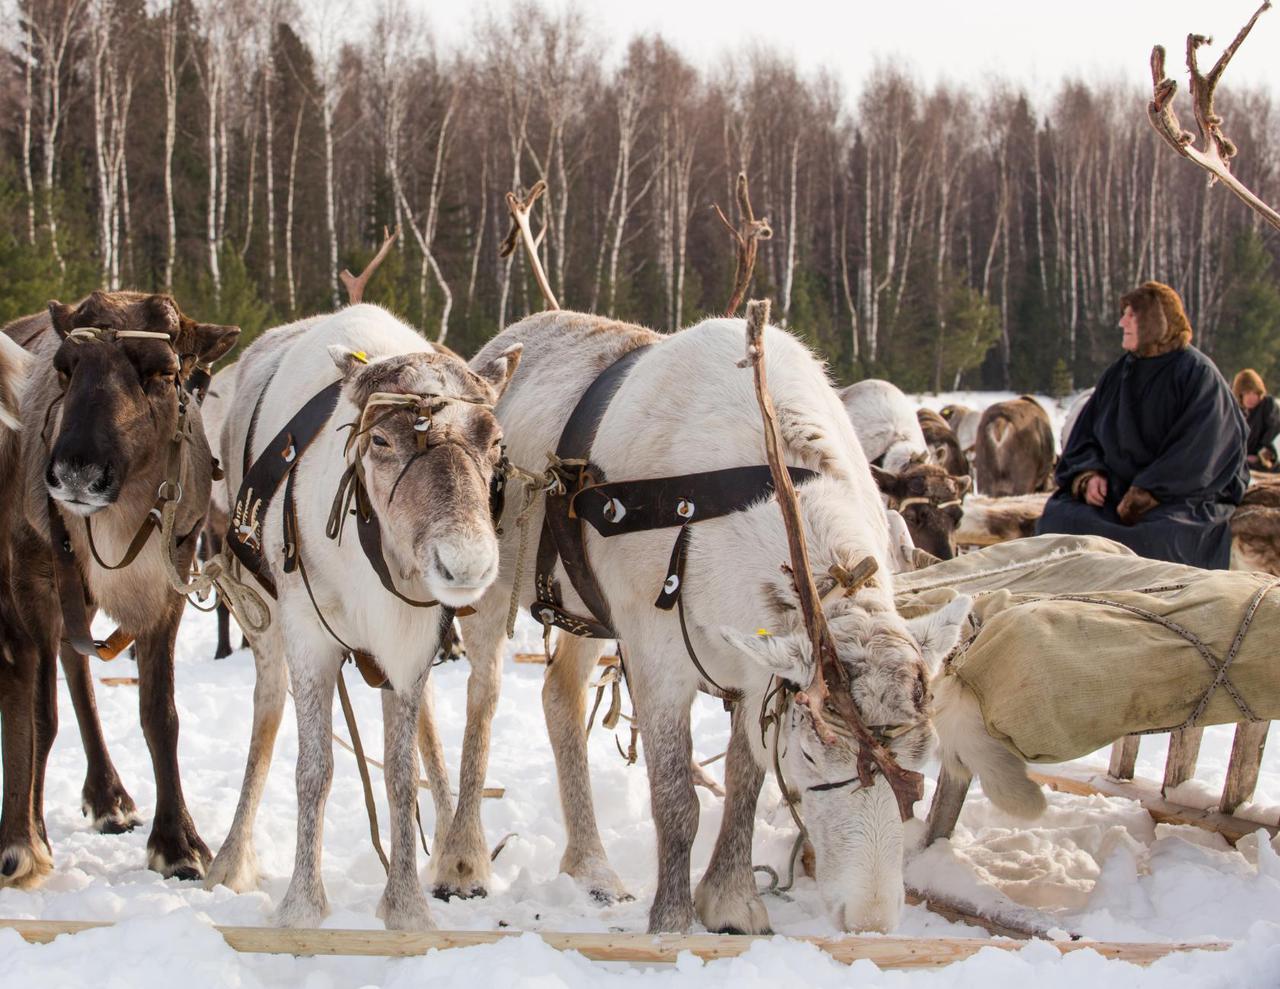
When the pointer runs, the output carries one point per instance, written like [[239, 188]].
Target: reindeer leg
[[314, 673], [564, 704], [236, 864], [726, 898], [462, 864], [24, 857], [403, 906], [668, 755], [104, 797], [433, 759], [174, 847], [46, 731]]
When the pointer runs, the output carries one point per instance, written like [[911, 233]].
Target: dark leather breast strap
[[562, 533], [263, 479]]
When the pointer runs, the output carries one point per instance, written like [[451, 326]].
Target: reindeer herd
[[370, 487]]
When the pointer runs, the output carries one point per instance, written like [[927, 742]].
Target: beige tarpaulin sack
[[1077, 641]]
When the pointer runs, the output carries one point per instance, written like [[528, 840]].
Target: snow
[[1097, 865]]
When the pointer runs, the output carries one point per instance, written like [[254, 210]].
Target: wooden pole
[[885, 952], [908, 785]]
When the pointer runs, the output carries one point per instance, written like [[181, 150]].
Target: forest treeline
[[242, 153]]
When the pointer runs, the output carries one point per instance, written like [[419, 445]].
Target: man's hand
[[1095, 490]]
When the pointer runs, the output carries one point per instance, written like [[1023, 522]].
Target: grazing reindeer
[[731, 586], [417, 465], [885, 423], [944, 447], [930, 502], [1015, 451], [108, 437]]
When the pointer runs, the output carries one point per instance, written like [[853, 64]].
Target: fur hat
[[1162, 322], [1246, 382]]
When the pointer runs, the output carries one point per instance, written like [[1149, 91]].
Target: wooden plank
[[886, 952], [1184, 750], [948, 800], [539, 659], [1124, 755], [1090, 782], [1246, 760], [119, 681]]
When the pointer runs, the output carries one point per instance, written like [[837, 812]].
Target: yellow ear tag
[[764, 633], [361, 356]]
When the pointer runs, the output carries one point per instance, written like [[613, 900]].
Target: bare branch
[[355, 286], [746, 237], [908, 786], [1218, 150], [520, 230]]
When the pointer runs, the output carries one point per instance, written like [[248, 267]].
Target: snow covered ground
[[1098, 865]]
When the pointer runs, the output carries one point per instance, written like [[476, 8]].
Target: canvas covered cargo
[[1078, 641]]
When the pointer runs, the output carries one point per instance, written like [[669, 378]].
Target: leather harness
[[580, 493], [275, 466]]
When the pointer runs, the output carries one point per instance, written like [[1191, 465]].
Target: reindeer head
[[121, 366], [426, 445], [856, 831], [929, 499]]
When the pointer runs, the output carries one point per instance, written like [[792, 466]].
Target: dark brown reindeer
[[929, 500], [944, 447], [108, 438], [1015, 449]]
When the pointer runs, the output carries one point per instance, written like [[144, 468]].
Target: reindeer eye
[[379, 440]]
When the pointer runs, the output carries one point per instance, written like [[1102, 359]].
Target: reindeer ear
[[346, 360], [61, 314], [962, 482], [213, 341], [786, 656], [938, 631], [498, 371], [886, 480]]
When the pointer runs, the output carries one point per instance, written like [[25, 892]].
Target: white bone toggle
[[670, 584], [685, 508], [614, 510]]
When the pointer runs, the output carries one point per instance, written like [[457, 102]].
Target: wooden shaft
[[1184, 750], [886, 952], [1124, 756], [1242, 770]]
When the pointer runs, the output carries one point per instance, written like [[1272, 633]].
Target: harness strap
[[349, 714]]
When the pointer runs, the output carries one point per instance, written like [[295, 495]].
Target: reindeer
[[930, 501], [109, 438], [964, 423], [944, 447], [416, 464], [736, 606], [1015, 449], [217, 404], [885, 423]]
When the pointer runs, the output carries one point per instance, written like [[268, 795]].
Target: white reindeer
[[885, 422], [430, 499], [685, 407]]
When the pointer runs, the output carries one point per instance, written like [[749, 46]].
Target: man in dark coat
[[1156, 459]]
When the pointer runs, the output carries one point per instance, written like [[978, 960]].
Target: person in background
[[1262, 416], [1156, 459]]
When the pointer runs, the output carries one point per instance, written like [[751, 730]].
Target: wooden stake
[[746, 237], [908, 786], [520, 210], [885, 952]]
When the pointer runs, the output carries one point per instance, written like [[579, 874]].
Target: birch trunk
[[290, 285]]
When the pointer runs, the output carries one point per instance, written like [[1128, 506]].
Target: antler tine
[[1215, 157], [520, 230], [355, 286], [746, 237]]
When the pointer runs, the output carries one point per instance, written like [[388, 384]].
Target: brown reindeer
[[944, 447], [1015, 450], [929, 500], [108, 436]]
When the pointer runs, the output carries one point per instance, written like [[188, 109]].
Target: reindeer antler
[[520, 230], [1215, 157], [746, 237], [908, 786], [355, 286]]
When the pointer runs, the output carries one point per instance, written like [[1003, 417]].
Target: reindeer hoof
[[446, 891], [182, 854], [110, 806], [24, 865]]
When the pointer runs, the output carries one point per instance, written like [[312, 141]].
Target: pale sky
[[1027, 41]]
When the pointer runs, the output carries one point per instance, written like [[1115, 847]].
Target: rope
[[534, 484]]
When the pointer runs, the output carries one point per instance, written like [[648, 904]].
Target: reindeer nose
[[104, 480]]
